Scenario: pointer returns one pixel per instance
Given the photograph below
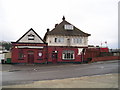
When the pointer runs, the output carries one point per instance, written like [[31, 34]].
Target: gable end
[[30, 37]]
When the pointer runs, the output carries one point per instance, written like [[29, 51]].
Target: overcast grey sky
[[96, 17]]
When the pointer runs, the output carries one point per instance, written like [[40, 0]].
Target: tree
[[7, 45]]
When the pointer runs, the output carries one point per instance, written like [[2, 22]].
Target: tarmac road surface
[[22, 74]]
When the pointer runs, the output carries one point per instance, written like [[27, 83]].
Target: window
[[77, 40], [59, 40], [68, 27], [21, 54], [68, 55], [55, 39], [31, 37]]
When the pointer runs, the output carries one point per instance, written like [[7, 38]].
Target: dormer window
[[31, 37], [68, 27]]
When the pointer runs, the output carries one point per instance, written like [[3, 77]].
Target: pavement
[[96, 81]]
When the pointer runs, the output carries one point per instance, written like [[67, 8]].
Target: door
[[30, 57], [54, 57]]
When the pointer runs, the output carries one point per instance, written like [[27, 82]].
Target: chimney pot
[[48, 30], [63, 18]]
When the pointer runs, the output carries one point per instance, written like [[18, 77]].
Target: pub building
[[65, 43]]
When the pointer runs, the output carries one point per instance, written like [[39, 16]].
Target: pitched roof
[[59, 30], [31, 30]]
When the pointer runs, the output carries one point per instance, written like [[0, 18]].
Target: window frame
[[20, 55], [77, 40], [68, 55], [68, 27], [59, 40], [31, 37]]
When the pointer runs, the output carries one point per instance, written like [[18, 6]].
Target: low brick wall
[[105, 58]]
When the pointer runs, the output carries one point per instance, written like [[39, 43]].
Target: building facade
[[30, 48], [65, 43]]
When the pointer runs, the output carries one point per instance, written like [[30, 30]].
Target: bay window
[[68, 55]]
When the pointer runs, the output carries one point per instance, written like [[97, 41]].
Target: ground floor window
[[20, 55], [68, 55]]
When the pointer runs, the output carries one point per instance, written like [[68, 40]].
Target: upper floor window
[[31, 37], [68, 27], [59, 40], [77, 40]]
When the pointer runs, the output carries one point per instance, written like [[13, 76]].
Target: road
[[22, 74]]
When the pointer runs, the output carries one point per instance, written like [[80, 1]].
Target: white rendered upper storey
[[66, 34]]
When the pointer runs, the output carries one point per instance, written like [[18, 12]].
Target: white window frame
[[31, 37], [68, 55], [59, 40], [77, 40], [68, 27]]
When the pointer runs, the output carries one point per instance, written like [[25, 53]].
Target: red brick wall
[[60, 50], [37, 59], [104, 50], [105, 58], [91, 52]]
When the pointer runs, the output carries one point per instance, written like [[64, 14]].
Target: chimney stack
[[56, 25]]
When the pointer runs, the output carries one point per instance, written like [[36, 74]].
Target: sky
[[96, 17]]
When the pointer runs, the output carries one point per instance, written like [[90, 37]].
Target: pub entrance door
[[30, 57], [54, 56]]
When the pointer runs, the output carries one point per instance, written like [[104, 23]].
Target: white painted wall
[[51, 41], [36, 39]]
